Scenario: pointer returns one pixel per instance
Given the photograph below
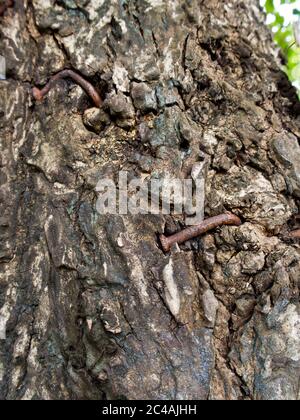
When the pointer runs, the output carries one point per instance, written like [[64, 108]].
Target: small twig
[[5, 5], [290, 46], [39, 94], [194, 231]]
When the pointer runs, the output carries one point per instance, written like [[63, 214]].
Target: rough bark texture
[[92, 306]]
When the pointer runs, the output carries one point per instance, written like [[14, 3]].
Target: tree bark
[[90, 305]]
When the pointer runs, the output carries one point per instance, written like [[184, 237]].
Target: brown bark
[[92, 307]]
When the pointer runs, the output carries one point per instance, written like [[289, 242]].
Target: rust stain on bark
[[5, 5]]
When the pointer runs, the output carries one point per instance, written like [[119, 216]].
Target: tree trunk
[[91, 307]]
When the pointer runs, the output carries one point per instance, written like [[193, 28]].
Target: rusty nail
[[294, 234], [38, 94], [194, 231]]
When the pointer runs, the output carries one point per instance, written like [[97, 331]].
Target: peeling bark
[[92, 307]]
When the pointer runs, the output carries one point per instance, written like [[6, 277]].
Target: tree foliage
[[283, 16]]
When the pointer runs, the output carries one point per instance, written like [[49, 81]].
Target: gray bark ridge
[[90, 305]]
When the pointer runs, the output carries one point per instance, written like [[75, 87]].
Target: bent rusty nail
[[39, 94]]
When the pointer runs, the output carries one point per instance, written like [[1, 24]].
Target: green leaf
[[270, 6], [295, 72], [279, 19]]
